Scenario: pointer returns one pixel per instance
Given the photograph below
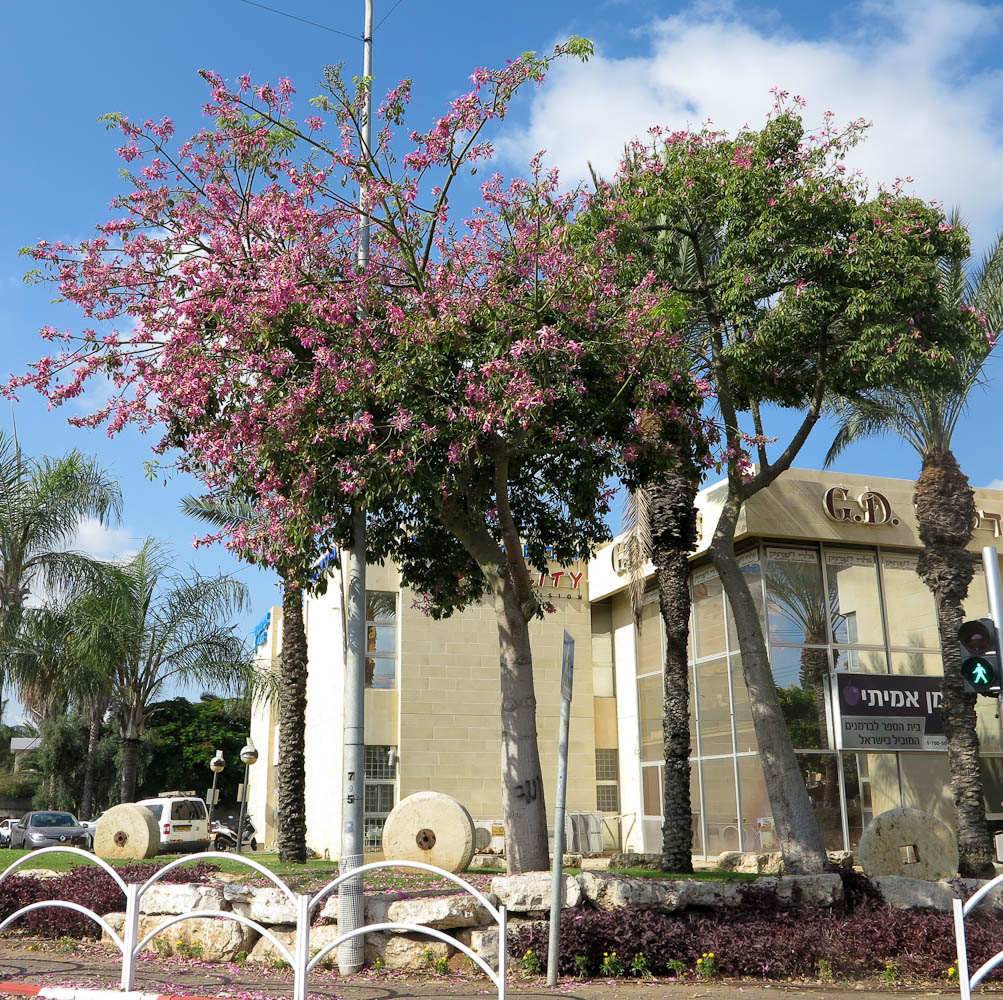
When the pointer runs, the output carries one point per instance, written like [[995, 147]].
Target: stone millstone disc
[[127, 831], [431, 827], [908, 842]]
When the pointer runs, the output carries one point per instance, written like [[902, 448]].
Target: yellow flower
[[710, 955]]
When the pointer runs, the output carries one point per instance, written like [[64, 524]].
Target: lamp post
[[216, 765], [248, 755]]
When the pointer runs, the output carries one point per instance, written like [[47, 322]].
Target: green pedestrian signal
[[980, 657]]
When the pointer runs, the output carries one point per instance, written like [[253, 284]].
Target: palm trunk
[[524, 810], [292, 726], [945, 513], [796, 828], [93, 735], [674, 531], [130, 769]]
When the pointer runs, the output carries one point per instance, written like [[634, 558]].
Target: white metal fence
[[968, 981], [299, 958]]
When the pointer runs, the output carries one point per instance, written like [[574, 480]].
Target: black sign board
[[888, 712]]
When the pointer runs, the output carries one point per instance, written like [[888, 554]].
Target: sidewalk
[[86, 967]]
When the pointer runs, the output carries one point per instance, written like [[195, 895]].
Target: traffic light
[[980, 657]]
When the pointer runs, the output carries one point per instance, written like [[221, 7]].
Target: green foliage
[[60, 762], [18, 786], [183, 736]]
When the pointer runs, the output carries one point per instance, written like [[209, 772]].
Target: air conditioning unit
[[583, 833], [489, 835]]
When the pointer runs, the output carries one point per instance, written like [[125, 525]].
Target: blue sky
[[924, 71]]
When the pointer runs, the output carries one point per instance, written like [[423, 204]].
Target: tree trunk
[[130, 769], [523, 805], [93, 735], [945, 512], [796, 828], [674, 532], [292, 726]]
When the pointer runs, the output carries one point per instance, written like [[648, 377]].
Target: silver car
[[48, 829]]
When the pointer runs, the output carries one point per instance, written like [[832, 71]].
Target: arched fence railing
[[966, 980], [130, 946]]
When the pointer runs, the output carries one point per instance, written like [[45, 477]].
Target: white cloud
[[903, 64], [994, 484], [101, 541]]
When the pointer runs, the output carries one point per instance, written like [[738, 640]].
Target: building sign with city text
[[888, 712]]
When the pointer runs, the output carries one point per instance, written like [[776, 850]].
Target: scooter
[[223, 836]]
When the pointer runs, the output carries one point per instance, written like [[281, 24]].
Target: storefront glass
[[720, 805], [854, 597], [713, 704], [909, 604], [651, 709]]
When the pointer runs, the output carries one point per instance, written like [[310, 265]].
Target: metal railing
[[299, 958], [967, 981]]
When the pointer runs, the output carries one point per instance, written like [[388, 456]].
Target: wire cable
[[315, 24], [386, 15]]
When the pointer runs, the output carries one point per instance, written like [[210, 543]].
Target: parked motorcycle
[[223, 836]]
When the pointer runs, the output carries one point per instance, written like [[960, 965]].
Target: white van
[[182, 819]]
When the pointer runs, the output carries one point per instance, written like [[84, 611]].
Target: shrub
[[860, 937], [18, 786], [87, 885]]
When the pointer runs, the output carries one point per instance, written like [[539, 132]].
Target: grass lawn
[[315, 872]]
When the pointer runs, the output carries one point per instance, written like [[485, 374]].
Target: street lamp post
[[249, 754], [216, 765]]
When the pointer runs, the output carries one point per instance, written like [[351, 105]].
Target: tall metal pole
[[557, 873], [990, 563], [351, 955]]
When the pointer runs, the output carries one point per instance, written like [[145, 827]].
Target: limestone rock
[[262, 904], [630, 860], [480, 862], [442, 913], [723, 895], [265, 951], [212, 938], [843, 860], [182, 898], [431, 827], [769, 863], [910, 893], [407, 951], [376, 905], [615, 892], [484, 941], [967, 887], [531, 891], [805, 890]]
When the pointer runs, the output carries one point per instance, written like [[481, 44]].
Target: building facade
[[852, 631]]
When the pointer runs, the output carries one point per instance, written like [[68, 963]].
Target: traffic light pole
[[991, 565]]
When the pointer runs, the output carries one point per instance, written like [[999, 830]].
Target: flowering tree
[[801, 285], [472, 387]]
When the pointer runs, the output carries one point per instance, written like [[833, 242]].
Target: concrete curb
[[75, 993]]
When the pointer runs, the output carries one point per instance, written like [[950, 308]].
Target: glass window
[[917, 663], [803, 704], [745, 731], [714, 707], [796, 604], [651, 703], [854, 602], [721, 804], [695, 806], [381, 639], [909, 605], [379, 794], [992, 784], [977, 602], [708, 613], [926, 784], [607, 780], [861, 661], [757, 817], [798, 666], [649, 639], [753, 574], [989, 730], [651, 790], [821, 778]]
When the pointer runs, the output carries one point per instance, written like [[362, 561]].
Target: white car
[[5, 826], [183, 821]]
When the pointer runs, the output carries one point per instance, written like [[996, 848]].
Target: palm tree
[[945, 513], [164, 629], [42, 502], [227, 513], [661, 524]]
